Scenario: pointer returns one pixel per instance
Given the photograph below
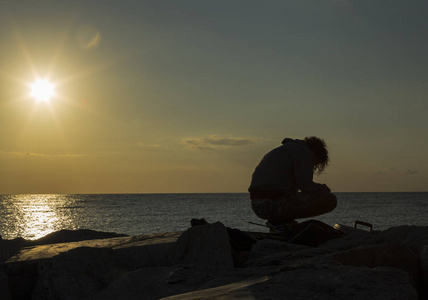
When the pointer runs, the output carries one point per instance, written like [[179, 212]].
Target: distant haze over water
[[34, 216]]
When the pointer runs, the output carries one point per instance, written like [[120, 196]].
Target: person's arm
[[303, 172], [325, 188]]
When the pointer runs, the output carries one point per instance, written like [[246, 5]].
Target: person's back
[[272, 173], [287, 168]]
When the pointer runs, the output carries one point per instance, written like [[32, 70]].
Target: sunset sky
[[187, 96]]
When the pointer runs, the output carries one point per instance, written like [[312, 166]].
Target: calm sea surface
[[33, 216]]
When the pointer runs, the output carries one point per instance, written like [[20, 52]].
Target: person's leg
[[264, 208], [315, 204], [295, 206]]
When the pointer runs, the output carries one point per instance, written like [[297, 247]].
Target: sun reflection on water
[[34, 216], [40, 219]]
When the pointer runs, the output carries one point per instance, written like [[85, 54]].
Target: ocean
[[34, 216]]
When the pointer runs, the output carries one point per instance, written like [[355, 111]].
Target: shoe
[[280, 228], [196, 222]]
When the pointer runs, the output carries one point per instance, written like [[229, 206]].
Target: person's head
[[319, 149]]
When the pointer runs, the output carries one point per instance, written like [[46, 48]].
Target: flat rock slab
[[51, 250], [238, 290]]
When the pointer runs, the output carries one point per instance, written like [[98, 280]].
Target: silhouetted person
[[276, 181]]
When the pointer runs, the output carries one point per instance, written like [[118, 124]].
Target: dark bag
[[239, 240], [311, 233]]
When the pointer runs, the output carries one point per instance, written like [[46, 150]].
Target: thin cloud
[[379, 173], [191, 142], [203, 148], [36, 154], [392, 170], [149, 146], [227, 142], [214, 142], [71, 155], [412, 172], [23, 154]]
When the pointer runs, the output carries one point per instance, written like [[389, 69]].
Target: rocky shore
[[202, 263]]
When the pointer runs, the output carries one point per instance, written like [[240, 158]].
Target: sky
[[187, 96]]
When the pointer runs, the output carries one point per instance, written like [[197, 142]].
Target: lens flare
[[88, 37]]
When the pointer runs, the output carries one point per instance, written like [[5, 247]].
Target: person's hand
[[325, 188]]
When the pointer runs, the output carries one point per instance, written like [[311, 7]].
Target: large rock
[[337, 282], [80, 269], [80, 273], [145, 283], [67, 236], [237, 290], [311, 282], [4, 287], [198, 264], [8, 248], [204, 245], [22, 278], [423, 257], [414, 237], [156, 283], [150, 252], [266, 247], [423, 260], [394, 255], [151, 244]]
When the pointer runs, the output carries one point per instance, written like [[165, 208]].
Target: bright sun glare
[[42, 90]]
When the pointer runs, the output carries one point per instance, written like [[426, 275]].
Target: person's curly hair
[[319, 148]]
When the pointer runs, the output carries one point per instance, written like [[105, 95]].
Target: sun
[[42, 90]]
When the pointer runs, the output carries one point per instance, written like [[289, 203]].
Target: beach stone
[[204, 245]]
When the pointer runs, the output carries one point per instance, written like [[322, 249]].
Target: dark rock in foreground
[[199, 264], [67, 236], [9, 247]]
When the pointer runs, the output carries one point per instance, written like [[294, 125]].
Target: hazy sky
[[187, 96]]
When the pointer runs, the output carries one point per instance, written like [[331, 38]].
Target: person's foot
[[280, 227]]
